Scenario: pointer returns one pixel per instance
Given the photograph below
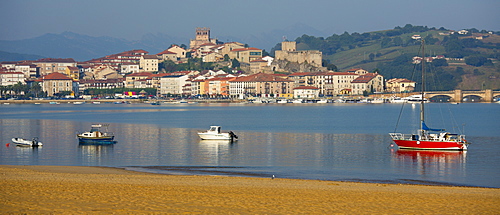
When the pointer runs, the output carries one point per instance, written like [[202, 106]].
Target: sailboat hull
[[430, 145]]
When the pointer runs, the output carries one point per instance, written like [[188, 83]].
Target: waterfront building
[[369, 82], [55, 83], [135, 79], [306, 92], [85, 84], [261, 85], [172, 84], [399, 85]]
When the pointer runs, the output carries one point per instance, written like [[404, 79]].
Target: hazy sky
[[130, 19]]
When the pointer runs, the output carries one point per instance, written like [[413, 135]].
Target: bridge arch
[[441, 98], [472, 98]]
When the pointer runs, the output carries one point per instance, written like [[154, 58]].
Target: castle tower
[[203, 34], [289, 46]]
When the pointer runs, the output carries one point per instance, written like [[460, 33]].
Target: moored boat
[[214, 133], [96, 136], [29, 143], [427, 138]]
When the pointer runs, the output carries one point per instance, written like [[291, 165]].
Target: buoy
[[8, 144]]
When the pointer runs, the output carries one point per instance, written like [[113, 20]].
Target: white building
[[172, 84], [11, 78], [306, 92], [127, 68]]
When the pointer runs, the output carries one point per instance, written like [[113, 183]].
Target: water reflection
[[28, 155], [211, 151], [431, 163], [95, 154]]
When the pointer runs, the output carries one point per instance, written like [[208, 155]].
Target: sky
[[131, 19]]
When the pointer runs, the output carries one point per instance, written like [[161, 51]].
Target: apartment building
[[51, 65]]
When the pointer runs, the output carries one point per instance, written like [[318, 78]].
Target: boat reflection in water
[[95, 154], [212, 151], [443, 164]]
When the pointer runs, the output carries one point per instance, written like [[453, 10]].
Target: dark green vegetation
[[390, 53], [23, 91]]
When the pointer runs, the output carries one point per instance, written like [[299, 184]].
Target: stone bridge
[[458, 95]]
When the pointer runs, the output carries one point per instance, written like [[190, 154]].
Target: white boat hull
[[24, 142], [214, 133], [221, 136]]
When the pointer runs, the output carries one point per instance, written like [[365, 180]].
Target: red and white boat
[[427, 138]]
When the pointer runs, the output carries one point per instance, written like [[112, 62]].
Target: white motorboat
[[214, 133], [30, 143], [409, 99]]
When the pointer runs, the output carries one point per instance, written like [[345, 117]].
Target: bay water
[[341, 142]]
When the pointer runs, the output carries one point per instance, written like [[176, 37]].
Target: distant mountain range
[[83, 47]]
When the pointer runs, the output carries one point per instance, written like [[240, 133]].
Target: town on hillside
[[254, 76]]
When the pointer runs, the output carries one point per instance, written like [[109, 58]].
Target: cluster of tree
[[438, 78], [191, 64], [346, 41], [20, 90], [197, 64], [462, 48]]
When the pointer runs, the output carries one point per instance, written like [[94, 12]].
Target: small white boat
[[30, 143], [322, 101], [78, 103], [214, 133]]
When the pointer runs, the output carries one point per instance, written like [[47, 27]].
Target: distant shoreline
[[65, 101], [90, 101]]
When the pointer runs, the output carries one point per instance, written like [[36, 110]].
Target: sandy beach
[[103, 190]]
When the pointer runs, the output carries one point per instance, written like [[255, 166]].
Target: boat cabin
[[214, 129]]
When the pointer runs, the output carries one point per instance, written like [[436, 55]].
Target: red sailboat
[[427, 138]]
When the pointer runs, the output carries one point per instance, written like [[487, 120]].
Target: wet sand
[[102, 190]]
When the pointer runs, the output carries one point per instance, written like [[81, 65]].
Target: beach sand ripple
[[76, 189]]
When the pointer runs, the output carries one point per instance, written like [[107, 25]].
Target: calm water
[[347, 142]]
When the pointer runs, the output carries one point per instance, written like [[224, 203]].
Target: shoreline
[[82, 189]]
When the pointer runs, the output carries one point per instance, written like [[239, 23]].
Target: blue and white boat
[[96, 136]]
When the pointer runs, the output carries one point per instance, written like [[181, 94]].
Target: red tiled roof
[[246, 49], [306, 88], [140, 74], [56, 76], [58, 60], [20, 73], [261, 77], [364, 78], [400, 80], [150, 57], [166, 52]]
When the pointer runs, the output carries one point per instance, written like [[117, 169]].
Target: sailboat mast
[[422, 115]]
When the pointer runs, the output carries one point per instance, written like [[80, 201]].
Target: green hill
[[390, 53]]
